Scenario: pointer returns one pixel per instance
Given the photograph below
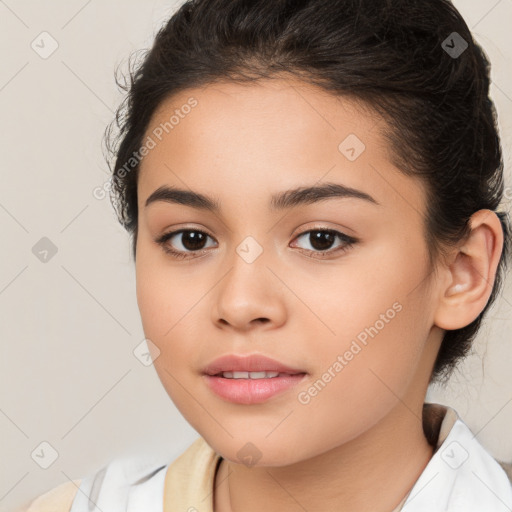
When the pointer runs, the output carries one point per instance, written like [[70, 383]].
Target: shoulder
[[58, 499]]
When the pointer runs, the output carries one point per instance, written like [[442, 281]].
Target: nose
[[249, 295]]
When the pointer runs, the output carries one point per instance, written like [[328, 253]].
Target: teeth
[[249, 375]]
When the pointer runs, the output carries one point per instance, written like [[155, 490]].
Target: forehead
[[279, 133], [287, 107]]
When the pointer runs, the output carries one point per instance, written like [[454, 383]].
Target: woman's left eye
[[192, 241], [322, 240]]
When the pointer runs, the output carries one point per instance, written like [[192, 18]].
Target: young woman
[[312, 187]]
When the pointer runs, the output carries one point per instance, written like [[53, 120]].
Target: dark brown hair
[[413, 62]]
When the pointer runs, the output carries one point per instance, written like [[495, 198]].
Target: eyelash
[[348, 243]]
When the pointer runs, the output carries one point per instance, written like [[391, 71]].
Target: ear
[[470, 273]]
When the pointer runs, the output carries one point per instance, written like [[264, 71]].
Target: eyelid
[[323, 226], [336, 232], [163, 239]]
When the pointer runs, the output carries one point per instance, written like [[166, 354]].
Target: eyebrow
[[279, 201]]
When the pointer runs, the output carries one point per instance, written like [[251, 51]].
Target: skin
[[363, 430]]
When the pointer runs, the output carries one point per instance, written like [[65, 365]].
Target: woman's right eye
[[183, 242]]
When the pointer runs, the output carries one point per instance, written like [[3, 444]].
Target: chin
[[257, 451]]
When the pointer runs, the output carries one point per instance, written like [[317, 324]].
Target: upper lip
[[248, 363]]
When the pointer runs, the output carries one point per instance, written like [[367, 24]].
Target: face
[[334, 284]]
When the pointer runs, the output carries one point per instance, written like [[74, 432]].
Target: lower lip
[[251, 391]]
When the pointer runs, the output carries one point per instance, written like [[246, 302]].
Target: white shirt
[[461, 476]]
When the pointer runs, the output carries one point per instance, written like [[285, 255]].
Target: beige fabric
[[58, 499], [189, 479]]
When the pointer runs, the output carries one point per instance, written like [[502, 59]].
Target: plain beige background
[[71, 384]]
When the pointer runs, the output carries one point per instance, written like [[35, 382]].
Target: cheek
[[171, 302], [163, 306], [378, 322], [162, 296], [363, 372], [163, 310]]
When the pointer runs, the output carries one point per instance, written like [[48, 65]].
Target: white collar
[[461, 476]]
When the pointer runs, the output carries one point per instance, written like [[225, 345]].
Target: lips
[[249, 363]]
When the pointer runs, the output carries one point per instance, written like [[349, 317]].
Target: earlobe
[[471, 274]]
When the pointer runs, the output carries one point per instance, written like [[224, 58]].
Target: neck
[[374, 471]]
